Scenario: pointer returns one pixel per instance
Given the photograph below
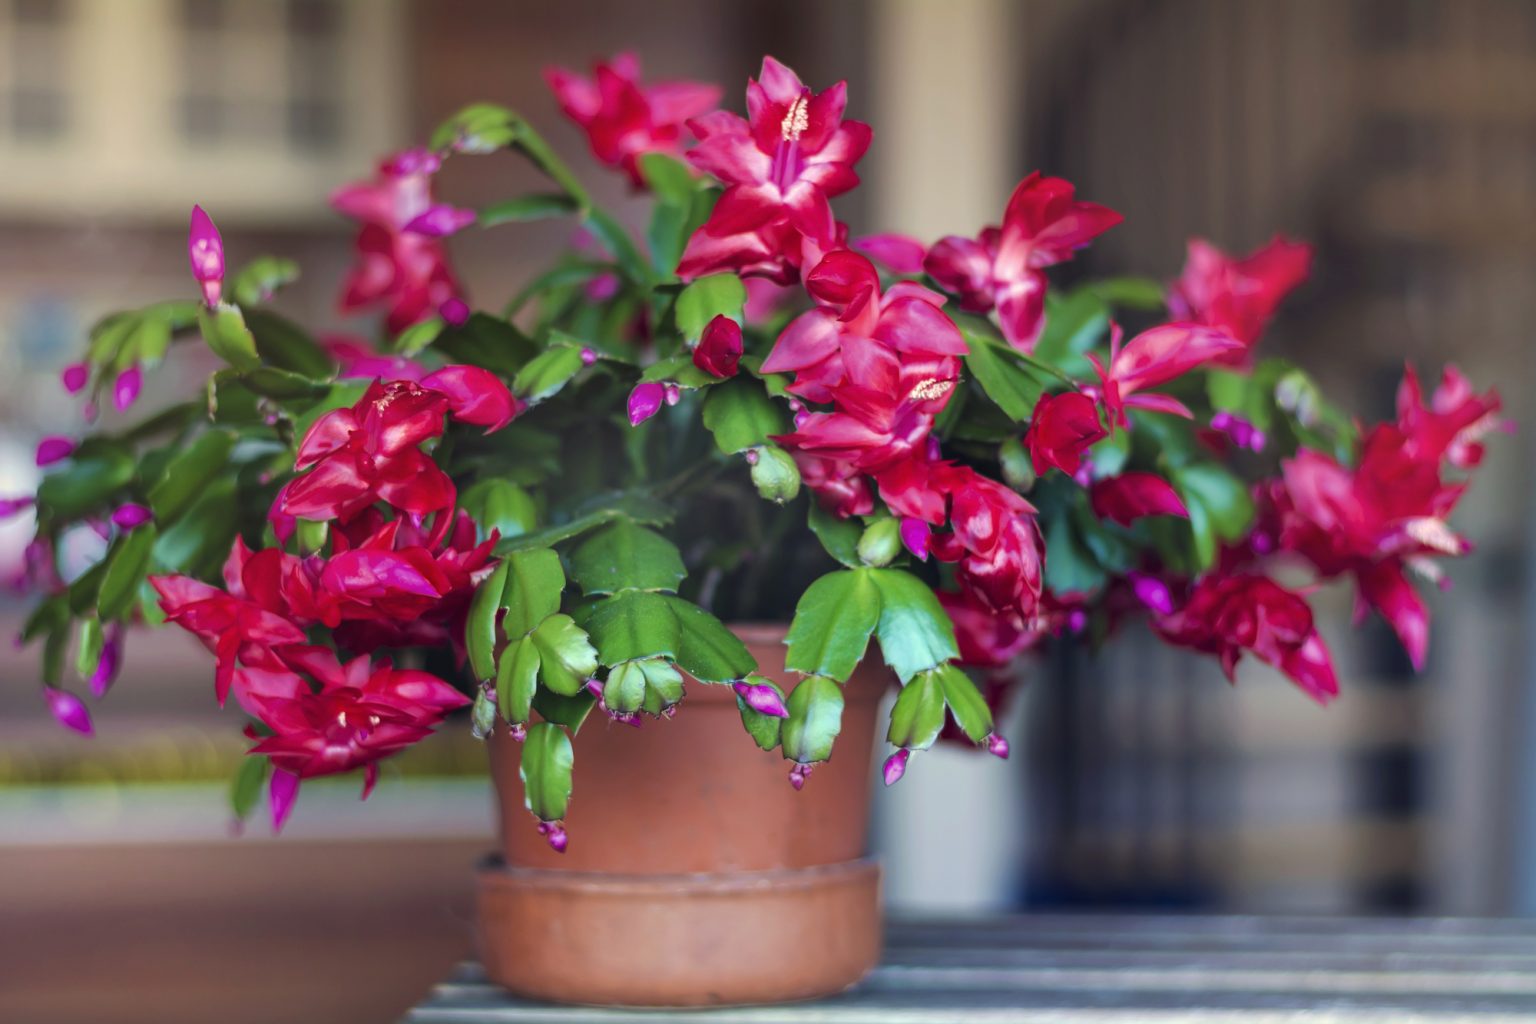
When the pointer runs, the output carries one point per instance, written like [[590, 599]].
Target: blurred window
[[127, 107]]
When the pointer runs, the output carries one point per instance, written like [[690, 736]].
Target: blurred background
[[1398, 135]]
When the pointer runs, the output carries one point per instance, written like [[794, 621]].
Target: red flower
[[236, 630], [1151, 358], [996, 543], [1453, 425], [719, 350], [839, 486], [1227, 614], [1130, 496], [1062, 428], [371, 452], [986, 639], [624, 119], [780, 165], [359, 714], [1238, 296], [401, 262], [1004, 267], [1386, 515]]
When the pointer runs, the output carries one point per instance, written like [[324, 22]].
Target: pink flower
[[54, 449], [719, 350], [1227, 615], [237, 630], [1155, 357], [1131, 496], [780, 166], [357, 359], [1062, 428], [401, 261], [1004, 267], [205, 251], [15, 506], [901, 254], [838, 486], [624, 119], [1454, 423], [130, 515], [986, 639], [1238, 296]]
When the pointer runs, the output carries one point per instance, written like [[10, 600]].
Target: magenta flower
[[68, 710], [901, 254], [15, 506], [624, 119], [1155, 357], [1238, 296], [440, 220], [130, 515], [1130, 496], [126, 388], [1004, 267], [54, 449], [780, 166], [205, 251], [719, 350], [645, 401], [74, 377], [1452, 426], [762, 698], [895, 767], [1061, 430], [282, 791]]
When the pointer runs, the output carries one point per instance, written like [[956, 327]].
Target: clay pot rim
[[759, 631], [495, 873]]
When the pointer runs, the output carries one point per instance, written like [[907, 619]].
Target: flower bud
[[518, 731], [645, 401], [775, 475], [1018, 473], [673, 393], [205, 251], [15, 506], [914, 537], [762, 698], [440, 220], [588, 356], [880, 542], [54, 449], [110, 662], [68, 710], [996, 745], [552, 831], [126, 388], [129, 516], [1152, 592], [798, 774], [455, 311], [74, 377], [719, 350], [895, 767]]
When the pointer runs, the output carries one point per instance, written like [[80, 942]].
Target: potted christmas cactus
[[643, 518]]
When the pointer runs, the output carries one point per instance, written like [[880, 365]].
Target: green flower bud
[[880, 543], [775, 474]]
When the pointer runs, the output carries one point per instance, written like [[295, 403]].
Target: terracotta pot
[[695, 875]]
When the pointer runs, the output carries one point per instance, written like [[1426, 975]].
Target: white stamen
[[931, 388], [796, 120], [1433, 533]]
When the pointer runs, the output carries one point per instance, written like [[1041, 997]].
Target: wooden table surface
[[1147, 970]]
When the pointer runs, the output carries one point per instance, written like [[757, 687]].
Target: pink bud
[[896, 767], [282, 791], [914, 537], [752, 455], [761, 698], [795, 405], [205, 251], [588, 357], [125, 390], [54, 449], [1077, 620], [412, 161], [440, 220], [129, 515], [74, 377], [1152, 592], [996, 745], [645, 401], [518, 731], [798, 774], [595, 688], [455, 311], [674, 394], [68, 710], [552, 831], [111, 661]]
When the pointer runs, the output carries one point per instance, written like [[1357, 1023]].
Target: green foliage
[[566, 655], [546, 771], [534, 582], [634, 624], [706, 298], [226, 334], [918, 713], [833, 623], [259, 280], [840, 537], [517, 677], [815, 718], [706, 649], [966, 705], [626, 556], [914, 631], [126, 566], [245, 787], [741, 415]]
